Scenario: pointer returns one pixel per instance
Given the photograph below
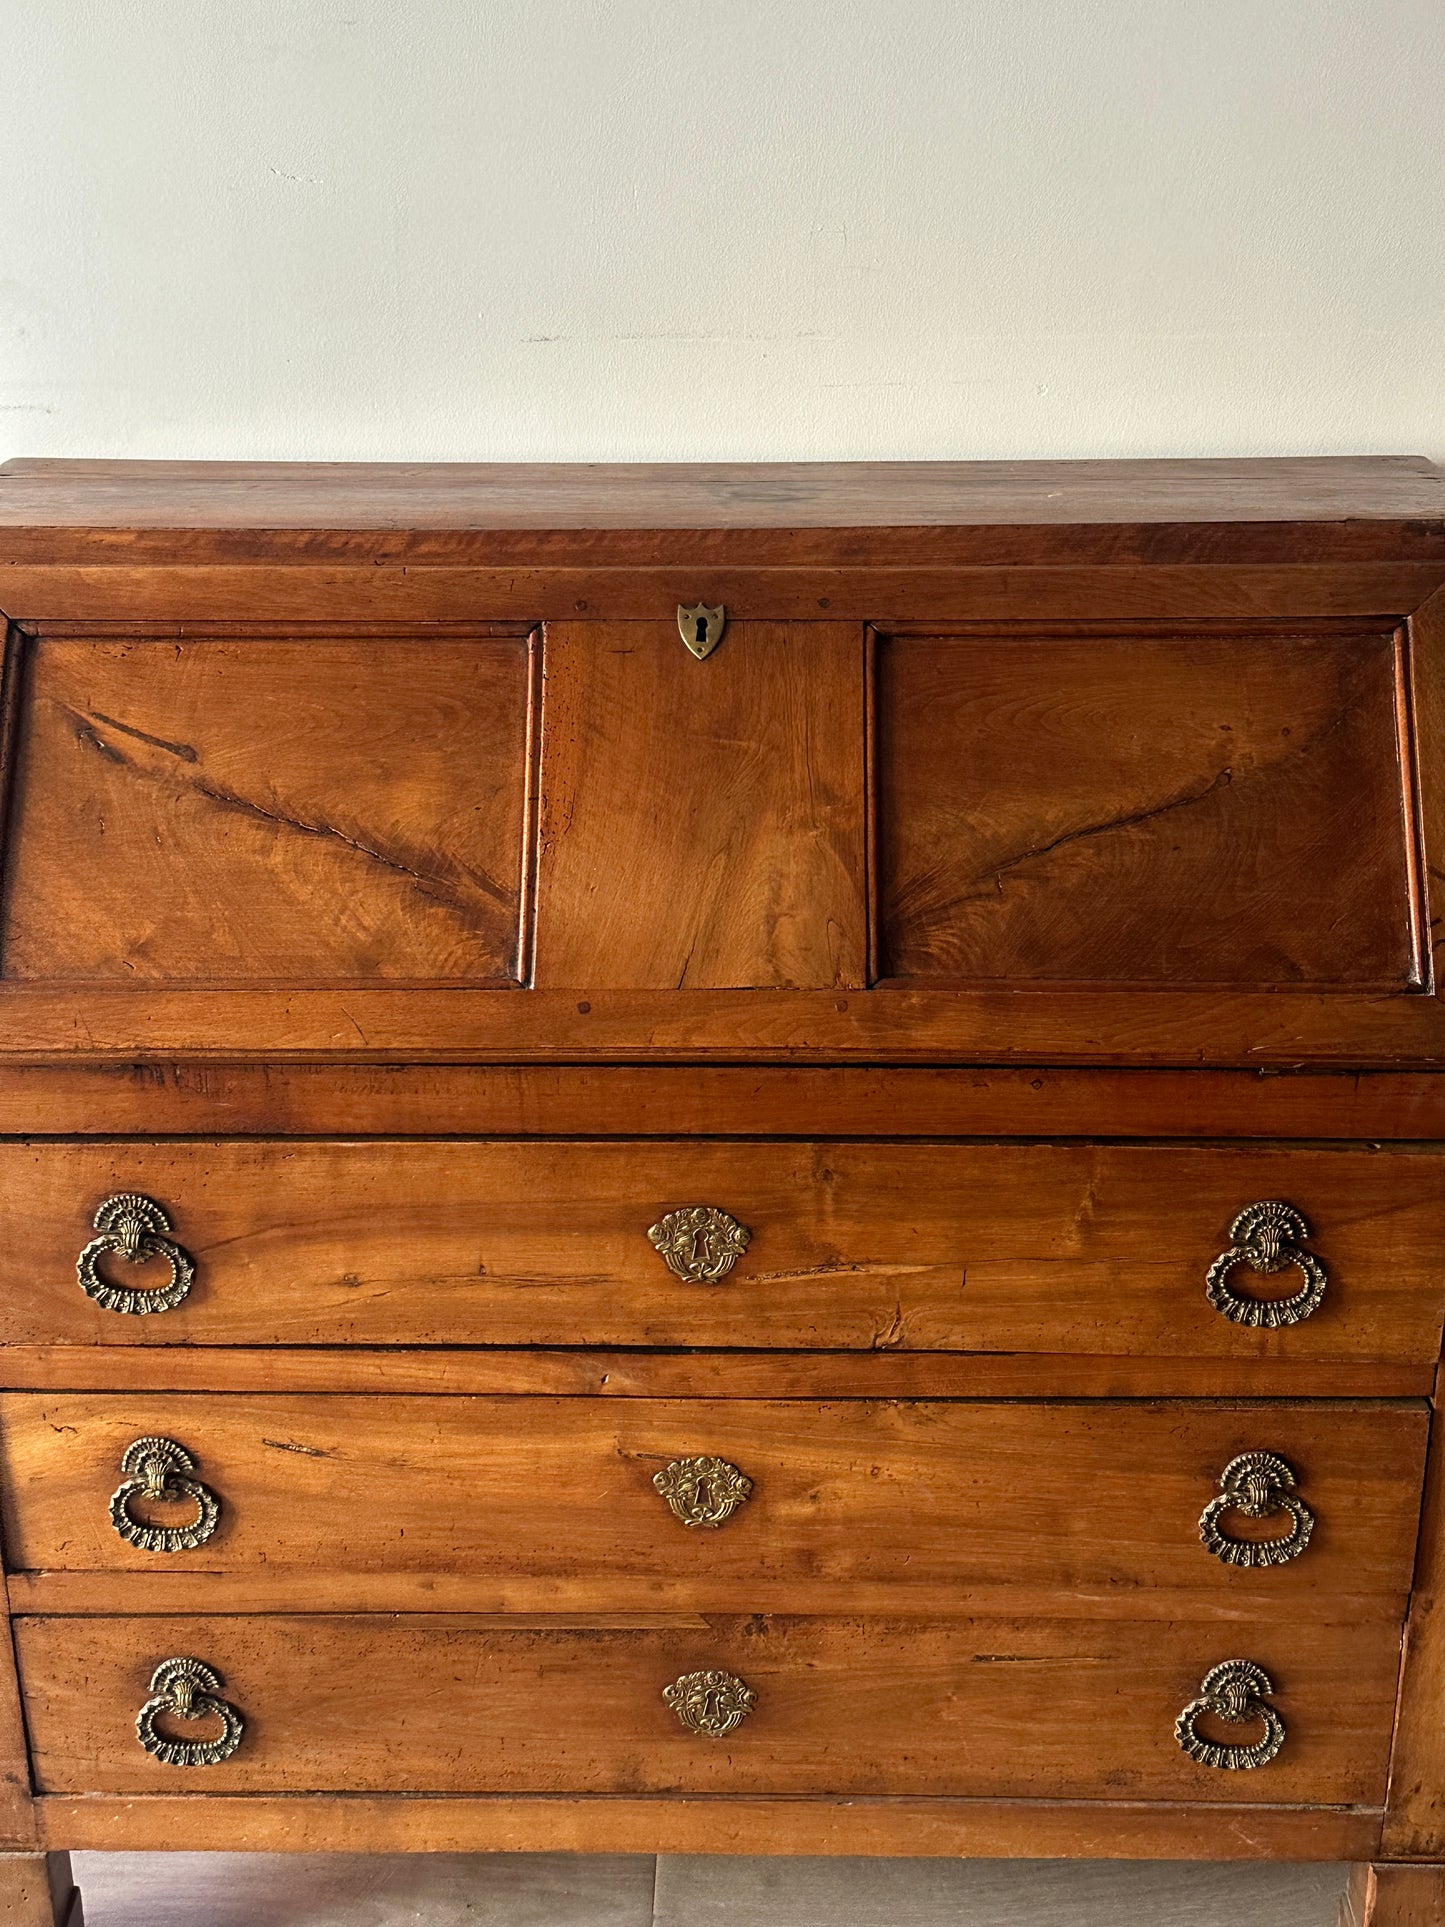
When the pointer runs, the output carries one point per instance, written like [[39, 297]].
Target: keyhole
[[702, 632], [699, 1238]]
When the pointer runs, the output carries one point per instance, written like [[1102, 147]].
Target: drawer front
[[1053, 1248], [1049, 1708], [767, 1504]]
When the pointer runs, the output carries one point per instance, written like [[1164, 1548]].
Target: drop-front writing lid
[[1198, 831]]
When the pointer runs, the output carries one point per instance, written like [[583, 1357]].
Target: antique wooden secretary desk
[[737, 1159]]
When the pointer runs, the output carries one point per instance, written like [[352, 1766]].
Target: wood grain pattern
[[1095, 1249], [997, 1708], [708, 1824], [541, 1499], [17, 1811], [1384, 1896], [588, 1601], [1368, 503], [1180, 810], [702, 822], [1415, 1823], [36, 1890], [1427, 699], [712, 1100], [573, 1372], [420, 1194], [257, 811], [1023, 590], [1229, 1029]]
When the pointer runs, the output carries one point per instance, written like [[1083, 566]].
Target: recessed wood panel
[[702, 822], [1098, 1250], [1171, 810], [275, 811], [1064, 1708], [542, 1502]]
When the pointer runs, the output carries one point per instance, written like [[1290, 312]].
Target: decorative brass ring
[[1233, 1692], [1267, 1237], [134, 1229], [158, 1470], [710, 1703], [703, 1492], [699, 1243], [1256, 1484], [187, 1689]]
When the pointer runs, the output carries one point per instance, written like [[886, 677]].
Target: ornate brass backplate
[[703, 1491], [158, 1471], [701, 628], [188, 1689], [1267, 1237], [1232, 1692], [711, 1703], [133, 1229], [700, 1243], [1256, 1485]]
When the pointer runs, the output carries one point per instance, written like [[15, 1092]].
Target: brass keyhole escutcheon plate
[[703, 1491], [699, 1243], [700, 627], [712, 1703]]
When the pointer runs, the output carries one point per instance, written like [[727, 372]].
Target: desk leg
[[1395, 1897], [36, 1890]]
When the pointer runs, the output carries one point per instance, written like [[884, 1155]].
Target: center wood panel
[[1061, 1708], [552, 1499], [702, 822], [1169, 810], [259, 810], [1092, 1249]]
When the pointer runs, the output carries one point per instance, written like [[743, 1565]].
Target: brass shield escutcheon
[[701, 628]]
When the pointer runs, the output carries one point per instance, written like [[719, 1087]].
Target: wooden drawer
[[1056, 1708], [1053, 1248], [530, 1504]]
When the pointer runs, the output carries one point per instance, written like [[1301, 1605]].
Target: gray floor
[[558, 1890]]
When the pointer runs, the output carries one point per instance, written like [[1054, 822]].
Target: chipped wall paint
[[737, 228]]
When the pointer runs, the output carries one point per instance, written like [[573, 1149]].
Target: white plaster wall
[[721, 228]]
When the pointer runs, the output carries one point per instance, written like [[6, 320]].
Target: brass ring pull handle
[[711, 1703], [134, 1228], [1268, 1238], [159, 1471], [1233, 1692], [187, 1689], [703, 1492], [699, 1243], [1257, 1485]]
